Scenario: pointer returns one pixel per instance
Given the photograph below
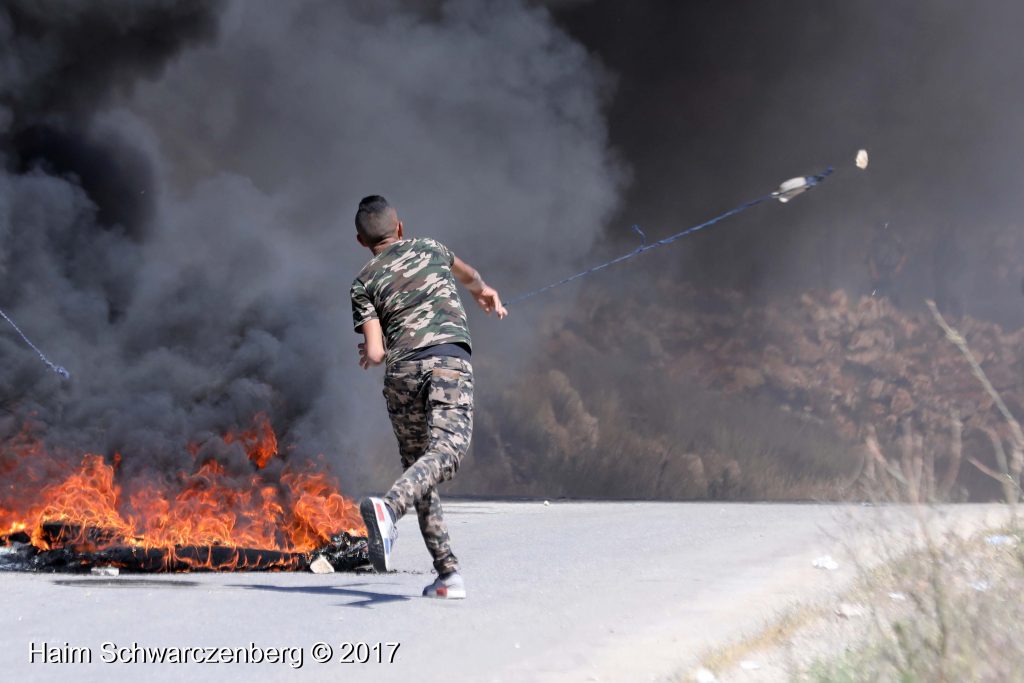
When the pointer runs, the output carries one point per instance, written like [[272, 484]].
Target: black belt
[[455, 350]]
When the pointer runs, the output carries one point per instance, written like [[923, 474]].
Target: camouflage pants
[[430, 402]]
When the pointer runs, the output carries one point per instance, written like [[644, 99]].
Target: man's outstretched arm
[[485, 295]]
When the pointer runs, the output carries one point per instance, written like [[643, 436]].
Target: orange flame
[[260, 442], [296, 512]]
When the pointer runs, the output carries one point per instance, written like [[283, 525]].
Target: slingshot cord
[[812, 181]]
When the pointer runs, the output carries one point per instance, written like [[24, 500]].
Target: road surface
[[562, 592]]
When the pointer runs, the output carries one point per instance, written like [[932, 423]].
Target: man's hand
[[490, 301], [371, 350], [486, 296], [365, 362]]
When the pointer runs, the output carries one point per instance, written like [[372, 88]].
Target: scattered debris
[[898, 597], [1001, 540], [345, 552], [826, 562], [82, 549], [850, 611], [105, 571], [15, 555], [703, 675], [862, 159], [321, 566]]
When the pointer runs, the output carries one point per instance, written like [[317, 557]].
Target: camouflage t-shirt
[[410, 288]]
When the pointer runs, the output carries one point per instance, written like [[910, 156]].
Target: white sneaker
[[381, 532], [450, 587]]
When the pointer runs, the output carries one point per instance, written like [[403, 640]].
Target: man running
[[405, 303]]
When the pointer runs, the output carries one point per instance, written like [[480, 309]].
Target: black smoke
[[178, 186], [719, 101]]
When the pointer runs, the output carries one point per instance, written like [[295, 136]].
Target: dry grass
[[962, 617], [958, 612], [961, 620], [775, 634], [957, 618]]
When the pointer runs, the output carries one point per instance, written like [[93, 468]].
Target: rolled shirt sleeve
[[362, 308], [446, 254]]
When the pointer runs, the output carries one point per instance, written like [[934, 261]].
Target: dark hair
[[375, 219]]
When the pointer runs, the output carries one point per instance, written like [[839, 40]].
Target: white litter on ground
[[826, 562], [703, 675], [862, 159], [898, 597], [849, 611], [1000, 540], [105, 571], [980, 586], [750, 665], [321, 566]]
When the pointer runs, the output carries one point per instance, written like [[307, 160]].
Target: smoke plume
[[719, 102], [178, 186]]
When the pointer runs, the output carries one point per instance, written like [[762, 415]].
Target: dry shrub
[[963, 609], [639, 435], [959, 621], [707, 395]]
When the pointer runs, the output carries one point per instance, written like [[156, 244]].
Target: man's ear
[[400, 231], [359, 238]]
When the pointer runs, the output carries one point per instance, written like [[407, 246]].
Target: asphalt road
[[560, 592]]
